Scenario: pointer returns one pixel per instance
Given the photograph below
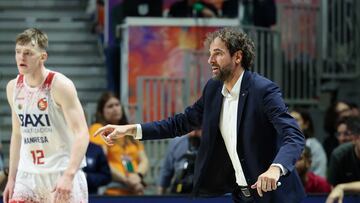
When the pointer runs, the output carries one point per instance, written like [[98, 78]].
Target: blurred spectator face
[[303, 164], [355, 111], [343, 109], [300, 121], [112, 111], [343, 134]]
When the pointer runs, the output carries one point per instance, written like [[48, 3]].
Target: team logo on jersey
[[42, 104]]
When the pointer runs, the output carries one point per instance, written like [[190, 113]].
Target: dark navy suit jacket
[[97, 169], [266, 134]]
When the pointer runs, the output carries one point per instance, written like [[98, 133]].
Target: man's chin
[[217, 77]]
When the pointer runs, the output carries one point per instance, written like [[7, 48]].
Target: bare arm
[[14, 146], [351, 187], [65, 96], [143, 163], [338, 192]]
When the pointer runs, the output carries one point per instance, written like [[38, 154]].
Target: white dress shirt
[[228, 127]]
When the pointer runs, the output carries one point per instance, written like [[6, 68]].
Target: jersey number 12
[[38, 156]]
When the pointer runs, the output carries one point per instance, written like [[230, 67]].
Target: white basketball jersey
[[46, 139]]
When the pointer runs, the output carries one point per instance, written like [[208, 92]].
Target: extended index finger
[[100, 131]]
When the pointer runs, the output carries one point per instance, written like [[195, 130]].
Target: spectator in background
[[95, 9], [333, 113], [355, 111], [344, 164], [261, 13], [312, 183], [127, 158], [319, 160], [192, 8], [343, 134], [177, 169], [230, 9], [97, 169], [99, 23]]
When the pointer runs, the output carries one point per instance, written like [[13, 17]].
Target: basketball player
[[49, 132]]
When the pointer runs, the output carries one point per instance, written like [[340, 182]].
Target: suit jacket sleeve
[[178, 125], [291, 139]]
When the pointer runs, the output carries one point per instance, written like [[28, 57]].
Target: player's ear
[[43, 56]]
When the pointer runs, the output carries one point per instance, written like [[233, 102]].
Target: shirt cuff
[[138, 135], [283, 170]]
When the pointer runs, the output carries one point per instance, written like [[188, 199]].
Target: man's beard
[[224, 73]]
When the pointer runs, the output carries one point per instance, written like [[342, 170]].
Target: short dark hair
[[235, 40]]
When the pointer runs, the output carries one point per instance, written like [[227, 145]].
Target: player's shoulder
[[11, 84], [61, 81], [60, 78]]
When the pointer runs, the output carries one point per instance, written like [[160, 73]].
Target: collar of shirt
[[235, 91]]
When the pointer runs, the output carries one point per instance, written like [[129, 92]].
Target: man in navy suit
[[250, 143]]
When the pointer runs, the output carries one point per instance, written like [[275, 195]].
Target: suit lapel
[[216, 109], [245, 83]]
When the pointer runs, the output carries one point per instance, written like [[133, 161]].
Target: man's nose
[[210, 60]]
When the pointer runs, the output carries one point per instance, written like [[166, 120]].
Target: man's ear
[[238, 57]]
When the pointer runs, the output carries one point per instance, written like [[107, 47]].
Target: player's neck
[[36, 78]]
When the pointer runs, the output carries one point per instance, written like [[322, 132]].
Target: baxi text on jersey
[[31, 140], [34, 120]]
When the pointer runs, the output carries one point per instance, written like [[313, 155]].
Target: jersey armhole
[[19, 81], [51, 94]]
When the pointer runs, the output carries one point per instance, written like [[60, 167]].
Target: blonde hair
[[33, 36]]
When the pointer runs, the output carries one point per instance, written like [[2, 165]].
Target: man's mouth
[[214, 69]]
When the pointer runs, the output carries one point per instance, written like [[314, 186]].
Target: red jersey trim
[[20, 80], [48, 80]]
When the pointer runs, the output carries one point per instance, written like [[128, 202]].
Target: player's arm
[[143, 163], [65, 95], [14, 145]]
